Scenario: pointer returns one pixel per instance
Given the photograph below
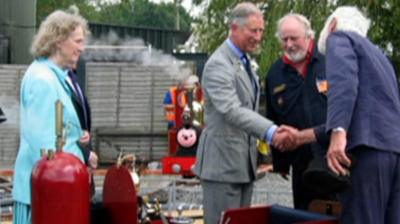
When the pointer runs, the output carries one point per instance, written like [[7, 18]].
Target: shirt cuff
[[269, 135]]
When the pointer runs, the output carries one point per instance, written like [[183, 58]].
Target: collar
[[238, 52], [60, 73]]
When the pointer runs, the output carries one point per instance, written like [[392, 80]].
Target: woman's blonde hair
[[56, 28]]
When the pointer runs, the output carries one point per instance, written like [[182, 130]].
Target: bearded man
[[294, 99]]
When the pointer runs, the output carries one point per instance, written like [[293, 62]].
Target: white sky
[[187, 4]]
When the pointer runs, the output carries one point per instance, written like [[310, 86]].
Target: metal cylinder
[[60, 190]]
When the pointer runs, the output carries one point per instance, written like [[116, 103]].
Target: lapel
[[60, 74], [75, 94], [61, 77], [244, 78], [257, 83], [241, 72]]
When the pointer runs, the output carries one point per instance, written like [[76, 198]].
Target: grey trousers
[[220, 196]]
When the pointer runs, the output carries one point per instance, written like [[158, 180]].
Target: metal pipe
[[115, 47], [59, 125]]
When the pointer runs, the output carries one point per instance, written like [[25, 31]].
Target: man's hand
[[337, 159], [285, 138], [93, 160], [296, 137]]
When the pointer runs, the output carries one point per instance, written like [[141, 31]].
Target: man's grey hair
[[348, 18], [242, 12], [301, 19]]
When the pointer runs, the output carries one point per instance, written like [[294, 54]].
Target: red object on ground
[[275, 214], [60, 191], [119, 196], [157, 222]]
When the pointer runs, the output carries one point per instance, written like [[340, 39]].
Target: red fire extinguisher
[[60, 186]]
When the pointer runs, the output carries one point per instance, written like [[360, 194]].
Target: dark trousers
[[374, 194], [302, 195]]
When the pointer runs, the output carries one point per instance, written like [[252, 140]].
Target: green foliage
[[385, 28], [45, 7], [213, 27], [128, 12]]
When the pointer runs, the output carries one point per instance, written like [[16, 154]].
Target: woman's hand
[[85, 139]]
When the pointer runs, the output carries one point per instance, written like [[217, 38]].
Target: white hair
[[348, 18], [301, 19]]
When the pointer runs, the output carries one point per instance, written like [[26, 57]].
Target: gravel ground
[[173, 191]]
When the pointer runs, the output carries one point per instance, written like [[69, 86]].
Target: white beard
[[297, 57]]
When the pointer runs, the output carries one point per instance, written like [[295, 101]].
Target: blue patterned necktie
[[247, 66]]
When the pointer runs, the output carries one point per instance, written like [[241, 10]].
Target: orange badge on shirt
[[323, 86]]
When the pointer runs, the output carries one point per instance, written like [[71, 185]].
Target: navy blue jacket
[[82, 109], [363, 94], [82, 106], [295, 101]]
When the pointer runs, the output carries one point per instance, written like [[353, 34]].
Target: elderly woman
[[56, 48]]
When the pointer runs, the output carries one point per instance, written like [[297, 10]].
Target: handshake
[[288, 138]]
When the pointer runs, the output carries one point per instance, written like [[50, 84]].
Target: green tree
[[213, 28], [127, 12], [45, 7], [385, 28]]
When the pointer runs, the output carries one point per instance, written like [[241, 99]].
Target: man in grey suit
[[363, 119], [227, 154]]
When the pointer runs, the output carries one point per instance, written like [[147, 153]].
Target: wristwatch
[[338, 129]]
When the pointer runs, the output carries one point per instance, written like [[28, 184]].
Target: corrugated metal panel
[[11, 76], [4, 49], [20, 43], [127, 108], [19, 24]]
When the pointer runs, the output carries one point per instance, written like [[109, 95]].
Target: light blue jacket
[[43, 84]]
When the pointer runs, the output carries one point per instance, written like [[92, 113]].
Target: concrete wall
[[127, 110], [10, 76]]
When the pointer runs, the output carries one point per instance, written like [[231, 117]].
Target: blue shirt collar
[[238, 52]]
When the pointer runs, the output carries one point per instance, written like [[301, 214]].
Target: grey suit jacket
[[227, 147]]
